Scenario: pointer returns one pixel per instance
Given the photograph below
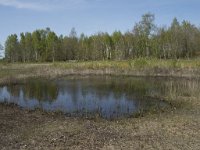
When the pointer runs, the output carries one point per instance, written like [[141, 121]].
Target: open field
[[177, 128]]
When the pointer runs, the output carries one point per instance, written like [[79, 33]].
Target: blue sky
[[89, 16]]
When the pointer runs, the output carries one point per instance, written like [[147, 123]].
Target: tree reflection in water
[[109, 97]]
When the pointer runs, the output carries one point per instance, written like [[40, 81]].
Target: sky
[[90, 16]]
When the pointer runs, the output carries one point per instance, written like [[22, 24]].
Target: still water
[[105, 96]]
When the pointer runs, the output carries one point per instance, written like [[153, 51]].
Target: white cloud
[[22, 4], [43, 5]]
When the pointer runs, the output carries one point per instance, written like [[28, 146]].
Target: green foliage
[[12, 48], [52, 46], [174, 63], [140, 63], [1, 47], [179, 41]]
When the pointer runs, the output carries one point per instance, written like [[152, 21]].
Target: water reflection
[[110, 97]]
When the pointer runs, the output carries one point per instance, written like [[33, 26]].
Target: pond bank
[[10, 73], [174, 129], [24, 129]]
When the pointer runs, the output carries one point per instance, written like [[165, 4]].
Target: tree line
[[179, 40], [1, 50]]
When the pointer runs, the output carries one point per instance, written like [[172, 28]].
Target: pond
[[88, 96]]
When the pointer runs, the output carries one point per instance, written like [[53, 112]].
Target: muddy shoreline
[[26, 129]]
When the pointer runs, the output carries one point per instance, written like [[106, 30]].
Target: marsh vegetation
[[176, 127]]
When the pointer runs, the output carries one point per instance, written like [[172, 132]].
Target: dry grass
[[178, 128], [132, 64], [137, 67]]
